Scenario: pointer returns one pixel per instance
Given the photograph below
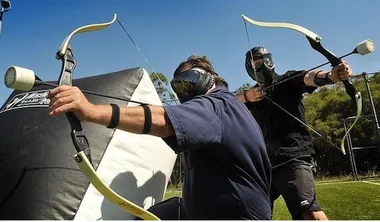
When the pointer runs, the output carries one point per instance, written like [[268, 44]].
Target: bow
[[315, 42], [83, 157]]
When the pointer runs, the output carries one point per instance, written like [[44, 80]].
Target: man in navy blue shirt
[[227, 170]]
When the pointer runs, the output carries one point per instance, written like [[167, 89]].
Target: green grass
[[172, 192], [341, 200]]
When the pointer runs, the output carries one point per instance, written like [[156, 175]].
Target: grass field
[[341, 200]]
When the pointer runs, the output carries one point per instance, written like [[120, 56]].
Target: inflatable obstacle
[[39, 177]]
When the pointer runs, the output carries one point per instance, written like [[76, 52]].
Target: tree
[[243, 88], [161, 83], [326, 111]]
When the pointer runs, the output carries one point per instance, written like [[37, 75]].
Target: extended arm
[[66, 98], [320, 78]]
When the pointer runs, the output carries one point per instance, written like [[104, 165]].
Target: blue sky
[[169, 31]]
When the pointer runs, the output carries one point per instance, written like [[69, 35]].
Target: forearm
[[132, 119], [317, 78]]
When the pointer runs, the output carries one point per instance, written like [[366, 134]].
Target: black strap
[[322, 81], [148, 119], [115, 118]]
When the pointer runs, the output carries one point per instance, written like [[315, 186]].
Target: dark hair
[[203, 63]]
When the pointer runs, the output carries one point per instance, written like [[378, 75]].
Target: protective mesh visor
[[265, 59], [184, 83]]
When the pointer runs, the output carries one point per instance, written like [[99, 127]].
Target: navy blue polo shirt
[[227, 170]]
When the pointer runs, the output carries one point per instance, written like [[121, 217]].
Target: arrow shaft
[[39, 82], [304, 73]]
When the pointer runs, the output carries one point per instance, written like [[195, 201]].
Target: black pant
[[295, 182]]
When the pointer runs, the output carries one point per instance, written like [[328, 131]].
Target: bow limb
[[83, 157], [359, 103], [85, 166], [87, 28], [285, 25]]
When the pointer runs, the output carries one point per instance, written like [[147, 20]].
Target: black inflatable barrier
[[39, 178]]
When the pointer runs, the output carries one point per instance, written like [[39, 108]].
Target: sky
[[167, 32]]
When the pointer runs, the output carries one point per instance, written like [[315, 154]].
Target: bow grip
[[66, 78], [68, 67], [350, 89]]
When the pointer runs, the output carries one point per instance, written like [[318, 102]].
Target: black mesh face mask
[[266, 60], [191, 83], [260, 66]]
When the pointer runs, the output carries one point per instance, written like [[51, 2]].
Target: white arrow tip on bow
[[19, 78], [365, 47]]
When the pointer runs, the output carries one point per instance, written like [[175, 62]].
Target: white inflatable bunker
[[138, 167]]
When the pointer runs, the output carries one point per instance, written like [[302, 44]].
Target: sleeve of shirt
[[196, 124], [299, 83]]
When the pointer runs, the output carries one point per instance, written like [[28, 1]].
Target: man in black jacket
[[289, 143]]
